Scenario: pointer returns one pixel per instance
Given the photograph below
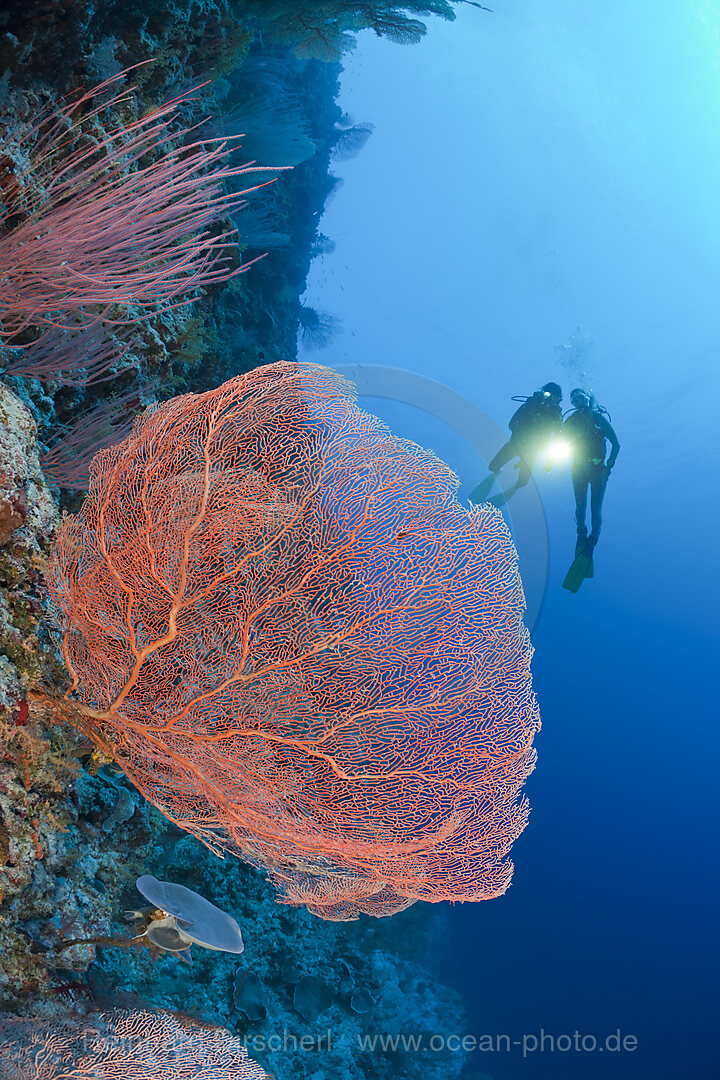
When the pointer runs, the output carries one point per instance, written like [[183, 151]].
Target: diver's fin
[[582, 567], [578, 572], [481, 492], [502, 498]]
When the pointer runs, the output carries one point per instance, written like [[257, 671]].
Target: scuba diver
[[588, 429], [531, 427]]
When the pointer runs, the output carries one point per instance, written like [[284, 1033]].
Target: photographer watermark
[[526, 514], [527, 1044], [542, 1042]]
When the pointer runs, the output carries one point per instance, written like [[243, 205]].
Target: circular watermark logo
[[526, 516]]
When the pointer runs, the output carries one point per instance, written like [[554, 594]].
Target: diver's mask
[[580, 399]]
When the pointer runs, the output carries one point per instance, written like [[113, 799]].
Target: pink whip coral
[[66, 462], [121, 1045], [70, 357], [84, 222], [300, 646]]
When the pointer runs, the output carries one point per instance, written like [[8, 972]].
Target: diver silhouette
[[588, 429], [531, 428]]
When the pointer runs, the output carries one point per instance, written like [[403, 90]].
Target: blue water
[[549, 166]]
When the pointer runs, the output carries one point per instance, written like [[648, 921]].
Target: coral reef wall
[[248, 87]]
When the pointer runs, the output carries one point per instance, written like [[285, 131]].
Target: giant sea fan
[[300, 646]]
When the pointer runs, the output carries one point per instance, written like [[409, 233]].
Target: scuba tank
[[531, 414], [599, 408]]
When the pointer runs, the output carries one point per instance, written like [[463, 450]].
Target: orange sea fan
[[301, 647], [120, 1045]]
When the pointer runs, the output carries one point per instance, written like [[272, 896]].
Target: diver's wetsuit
[[530, 429], [587, 430]]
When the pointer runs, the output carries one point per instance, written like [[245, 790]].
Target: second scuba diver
[[531, 426], [587, 430]]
